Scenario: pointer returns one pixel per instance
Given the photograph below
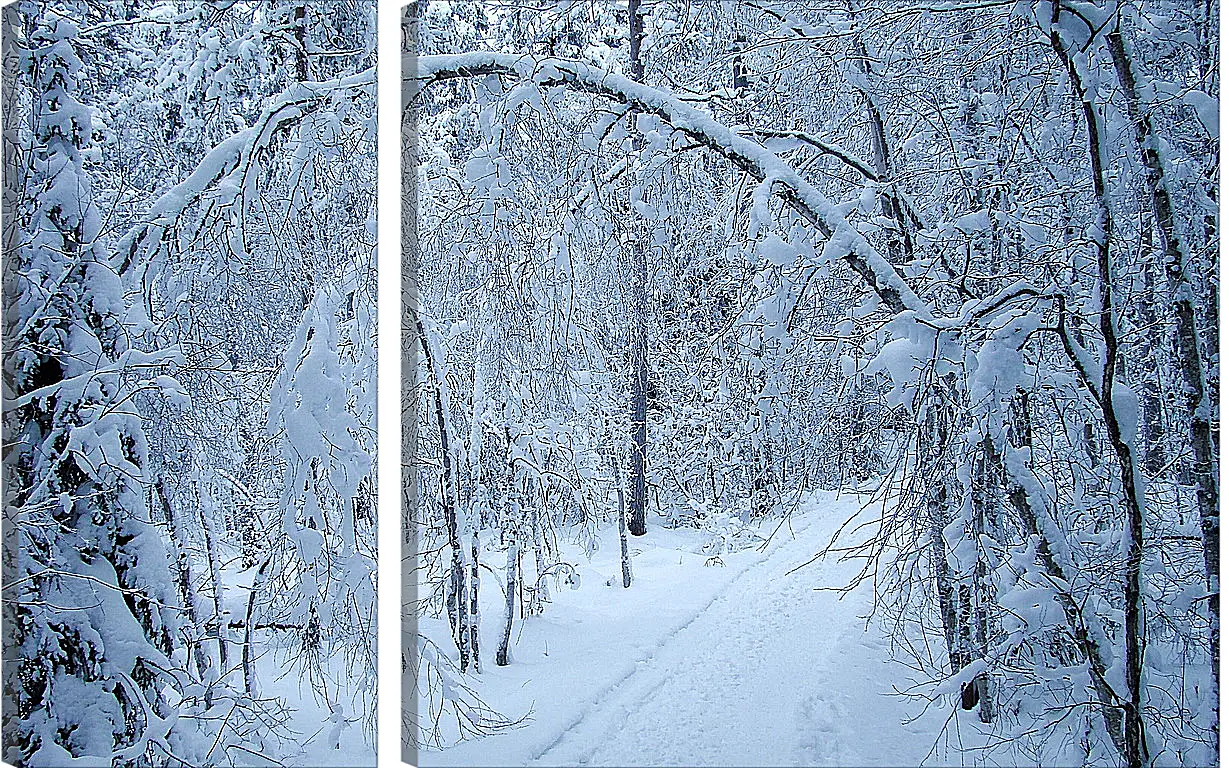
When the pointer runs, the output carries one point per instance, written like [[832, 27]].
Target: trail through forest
[[772, 672], [767, 670]]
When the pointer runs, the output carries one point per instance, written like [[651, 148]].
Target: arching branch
[[231, 159], [844, 242]]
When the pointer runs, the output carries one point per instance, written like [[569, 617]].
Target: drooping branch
[[844, 242], [825, 148], [224, 172]]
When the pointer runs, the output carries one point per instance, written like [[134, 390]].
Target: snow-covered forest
[[812, 382], [189, 390]]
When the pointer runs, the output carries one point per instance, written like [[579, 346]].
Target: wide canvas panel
[[811, 382], [189, 383]]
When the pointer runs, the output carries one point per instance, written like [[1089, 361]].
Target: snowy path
[[759, 668], [772, 672]]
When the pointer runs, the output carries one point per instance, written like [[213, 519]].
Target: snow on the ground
[[319, 738], [744, 664], [318, 733]]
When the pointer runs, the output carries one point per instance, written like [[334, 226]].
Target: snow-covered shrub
[[727, 531]]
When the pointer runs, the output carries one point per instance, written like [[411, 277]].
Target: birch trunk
[[510, 584], [931, 444], [474, 584], [624, 557], [1196, 404], [1101, 389], [987, 489]]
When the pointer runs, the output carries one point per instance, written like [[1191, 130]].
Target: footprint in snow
[[819, 740]]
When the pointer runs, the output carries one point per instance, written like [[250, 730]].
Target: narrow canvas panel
[[189, 383], [811, 382], [411, 340]]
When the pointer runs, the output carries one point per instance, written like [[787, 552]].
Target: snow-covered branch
[[844, 242], [226, 172]]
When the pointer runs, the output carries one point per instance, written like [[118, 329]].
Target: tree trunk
[[1196, 406], [187, 591], [510, 584], [931, 442], [249, 669], [474, 583], [640, 344], [900, 242], [1034, 515], [456, 596], [541, 593], [1102, 392], [987, 489], [1150, 386], [219, 614], [624, 558], [299, 20]]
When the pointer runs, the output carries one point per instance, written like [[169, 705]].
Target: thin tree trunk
[[215, 575], [933, 437], [1034, 515], [187, 592], [985, 493], [624, 557], [511, 537], [249, 669], [640, 344], [478, 490], [474, 583], [537, 534], [1196, 406], [456, 596], [410, 345], [1102, 393], [510, 573], [900, 242], [1150, 386], [936, 512]]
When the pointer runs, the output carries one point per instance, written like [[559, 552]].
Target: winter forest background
[[189, 359], [717, 313]]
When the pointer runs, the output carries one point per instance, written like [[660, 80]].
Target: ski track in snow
[[598, 706], [769, 672]]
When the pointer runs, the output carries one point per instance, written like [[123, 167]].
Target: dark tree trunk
[[456, 594], [1036, 523], [636, 522], [1101, 390], [1150, 386], [182, 566], [299, 20], [474, 583], [1196, 406], [249, 669]]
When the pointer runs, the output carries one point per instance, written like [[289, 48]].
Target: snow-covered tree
[[189, 215], [90, 610]]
